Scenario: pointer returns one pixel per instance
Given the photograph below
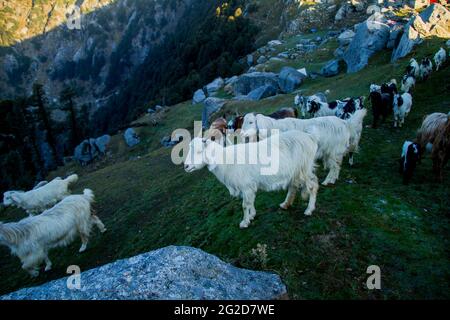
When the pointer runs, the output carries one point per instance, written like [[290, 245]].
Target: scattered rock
[[170, 273], [199, 96], [262, 92], [210, 105], [330, 69], [261, 60], [214, 86], [371, 36], [250, 60], [433, 21], [251, 81], [290, 79], [274, 43], [91, 149], [131, 137]]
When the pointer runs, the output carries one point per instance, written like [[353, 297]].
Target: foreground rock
[[210, 105], [433, 21], [168, 273], [371, 36]]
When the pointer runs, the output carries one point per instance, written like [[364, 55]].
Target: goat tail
[[89, 195], [72, 178]]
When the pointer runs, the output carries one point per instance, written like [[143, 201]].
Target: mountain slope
[[368, 218]]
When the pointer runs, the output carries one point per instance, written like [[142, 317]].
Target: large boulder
[[290, 79], [262, 92], [199, 96], [433, 21], [330, 69], [170, 273], [395, 35], [91, 149], [251, 81], [210, 105], [371, 36], [131, 137]]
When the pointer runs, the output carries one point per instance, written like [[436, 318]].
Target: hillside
[[369, 217]]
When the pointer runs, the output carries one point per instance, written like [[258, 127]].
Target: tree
[[67, 100], [38, 99]]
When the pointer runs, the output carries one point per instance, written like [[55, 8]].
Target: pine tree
[[67, 99]]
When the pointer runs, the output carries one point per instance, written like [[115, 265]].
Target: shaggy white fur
[[439, 58], [408, 82], [31, 238], [42, 197], [296, 152], [332, 134], [402, 107]]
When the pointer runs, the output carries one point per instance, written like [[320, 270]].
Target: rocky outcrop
[[214, 86], [433, 21], [173, 273], [262, 93], [330, 69], [370, 36], [199, 96]]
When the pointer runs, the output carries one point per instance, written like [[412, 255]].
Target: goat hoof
[[104, 230], [308, 212], [48, 268], [284, 206], [82, 249], [244, 224]]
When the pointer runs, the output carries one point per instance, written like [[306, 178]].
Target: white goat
[[40, 198], [296, 152], [31, 238], [408, 82], [333, 135], [402, 107], [439, 58]]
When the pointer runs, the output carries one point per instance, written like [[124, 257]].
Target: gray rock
[[262, 92], [339, 52], [433, 21], [199, 96], [167, 142], [274, 43], [251, 81], [330, 69], [346, 37], [91, 149], [447, 43], [131, 137], [371, 36], [394, 36], [290, 79], [210, 105], [250, 60], [261, 59], [215, 86], [170, 273]]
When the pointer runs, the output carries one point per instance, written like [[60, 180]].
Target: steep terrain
[[367, 218]]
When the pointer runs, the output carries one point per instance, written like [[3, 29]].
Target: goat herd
[[333, 132]]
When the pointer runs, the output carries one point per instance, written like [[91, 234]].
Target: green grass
[[367, 218]]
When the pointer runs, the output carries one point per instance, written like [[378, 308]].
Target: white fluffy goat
[[402, 107], [413, 69], [40, 198], [31, 238], [408, 82], [439, 58], [335, 137], [296, 152]]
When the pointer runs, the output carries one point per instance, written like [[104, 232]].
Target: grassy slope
[[368, 218]]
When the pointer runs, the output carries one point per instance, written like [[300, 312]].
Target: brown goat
[[284, 113], [440, 153]]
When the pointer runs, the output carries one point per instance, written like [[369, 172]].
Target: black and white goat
[[413, 68], [402, 107], [439, 58], [411, 153], [426, 67], [302, 101], [408, 82], [340, 108]]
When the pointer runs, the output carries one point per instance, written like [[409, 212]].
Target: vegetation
[[368, 218]]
